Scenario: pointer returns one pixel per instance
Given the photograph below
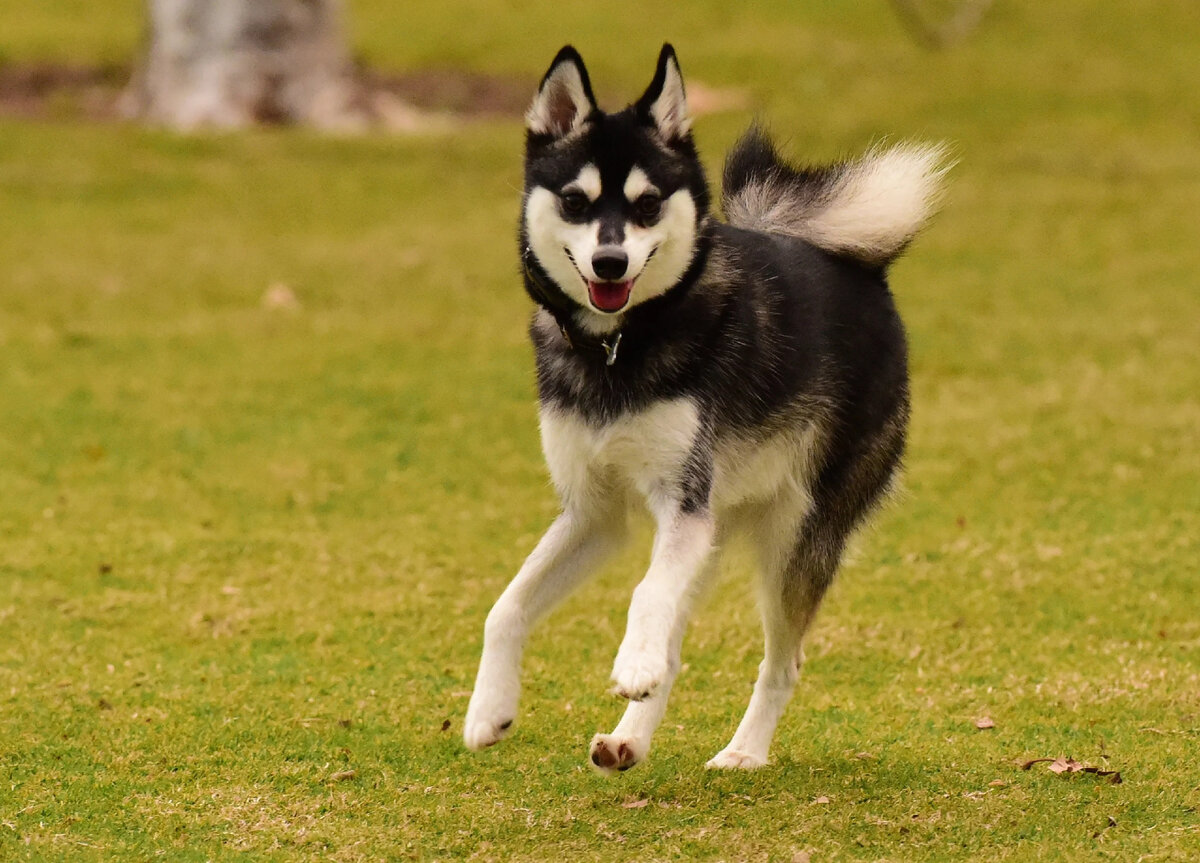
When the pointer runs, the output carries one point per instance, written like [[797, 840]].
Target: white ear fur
[[561, 104], [669, 110]]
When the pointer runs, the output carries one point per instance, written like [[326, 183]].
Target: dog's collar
[[561, 310]]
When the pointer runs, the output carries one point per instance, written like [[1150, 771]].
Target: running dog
[[746, 375]]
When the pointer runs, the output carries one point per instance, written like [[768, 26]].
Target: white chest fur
[[645, 451], [648, 451]]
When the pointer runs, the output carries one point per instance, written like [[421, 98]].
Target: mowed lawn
[[268, 452]]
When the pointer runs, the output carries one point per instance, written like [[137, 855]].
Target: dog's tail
[[869, 208]]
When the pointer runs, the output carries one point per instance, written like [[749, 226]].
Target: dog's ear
[[664, 104], [564, 99]]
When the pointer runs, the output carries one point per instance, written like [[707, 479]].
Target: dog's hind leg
[[629, 742], [793, 582], [801, 547], [576, 543]]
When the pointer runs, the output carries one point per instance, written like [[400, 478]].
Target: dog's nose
[[610, 262]]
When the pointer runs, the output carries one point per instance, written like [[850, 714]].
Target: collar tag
[[610, 351]]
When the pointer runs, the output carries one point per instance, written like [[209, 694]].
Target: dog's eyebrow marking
[[638, 184], [587, 182]]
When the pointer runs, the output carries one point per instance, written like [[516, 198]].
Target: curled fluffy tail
[[869, 208]]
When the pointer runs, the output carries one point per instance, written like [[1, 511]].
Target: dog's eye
[[648, 206], [574, 203]]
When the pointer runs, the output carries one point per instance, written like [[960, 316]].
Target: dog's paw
[[489, 716], [732, 759], [480, 734], [610, 753], [637, 676]]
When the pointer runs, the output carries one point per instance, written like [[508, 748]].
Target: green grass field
[[246, 552]]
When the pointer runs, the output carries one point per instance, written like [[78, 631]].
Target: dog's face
[[613, 202]]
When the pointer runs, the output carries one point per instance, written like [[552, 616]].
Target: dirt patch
[[427, 99], [47, 89], [466, 94], [44, 90]]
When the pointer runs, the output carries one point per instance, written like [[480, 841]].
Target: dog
[[747, 375]]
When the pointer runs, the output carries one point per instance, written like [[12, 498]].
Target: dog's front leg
[[574, 545], [661, 603], [629, 742]]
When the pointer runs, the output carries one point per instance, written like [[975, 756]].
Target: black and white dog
[[747, 375]]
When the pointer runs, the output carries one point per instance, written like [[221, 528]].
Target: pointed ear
[[664, 103], [564, 99]]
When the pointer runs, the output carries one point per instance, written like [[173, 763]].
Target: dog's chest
[[653, 450], [643, 450]]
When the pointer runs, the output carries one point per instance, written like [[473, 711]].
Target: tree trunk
[[234, 63]]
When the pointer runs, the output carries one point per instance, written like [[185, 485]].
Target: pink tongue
[[609, 296]]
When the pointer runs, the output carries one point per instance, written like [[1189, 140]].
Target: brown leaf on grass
[[343, 775], [1063, 765], [635, 804], [985, 722], [104, 704], [446, 725], [1070, 765]]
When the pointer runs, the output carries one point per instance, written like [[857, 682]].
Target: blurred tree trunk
[[233, 63]]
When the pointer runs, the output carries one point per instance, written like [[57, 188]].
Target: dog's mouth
[[608, 296]]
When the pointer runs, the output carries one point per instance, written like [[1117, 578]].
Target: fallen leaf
[[985, 722], [998, 783], [1070, 765], [343, 775], [446, 725], [635, 804], [1065, 765], [822, 799]]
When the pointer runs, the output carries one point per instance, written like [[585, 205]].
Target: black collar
[[561, 309]]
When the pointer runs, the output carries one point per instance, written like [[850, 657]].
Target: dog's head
[[613, 202]]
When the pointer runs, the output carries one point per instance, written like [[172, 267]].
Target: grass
[[245, 551]]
